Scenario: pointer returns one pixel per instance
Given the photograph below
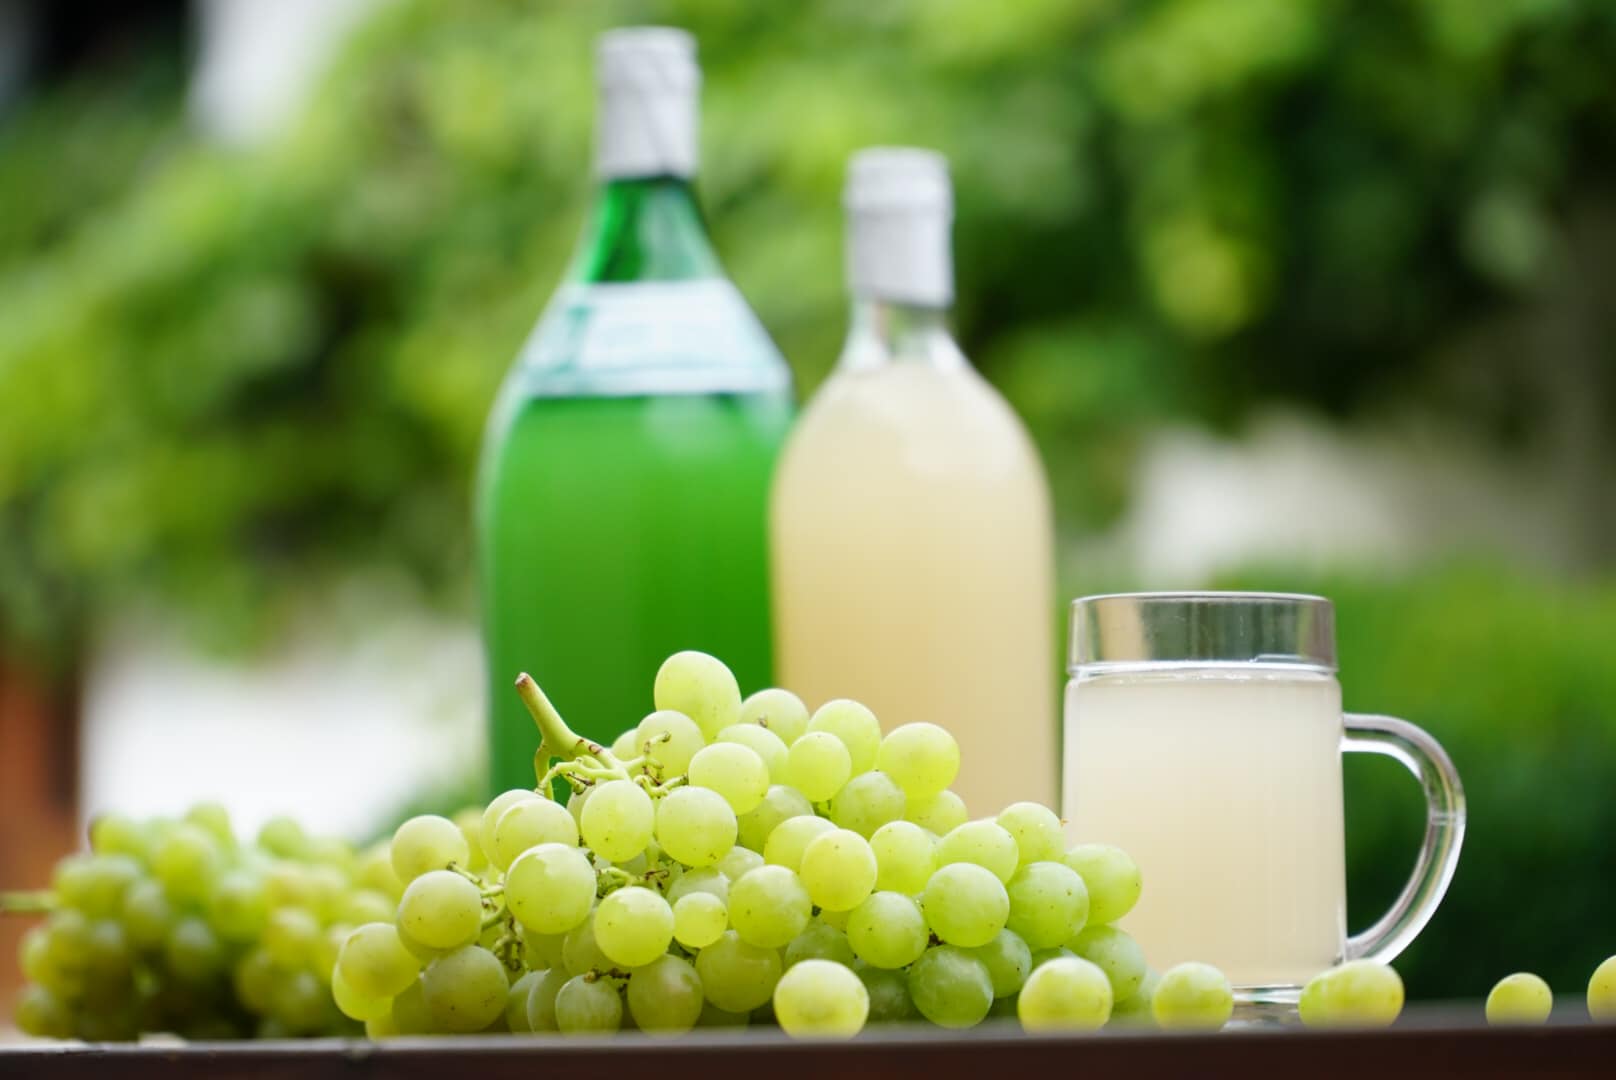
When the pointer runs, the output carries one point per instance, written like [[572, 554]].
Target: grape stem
[[30, 902], [557, 740]]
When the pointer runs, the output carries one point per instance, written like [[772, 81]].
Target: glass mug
[[1204, 736]]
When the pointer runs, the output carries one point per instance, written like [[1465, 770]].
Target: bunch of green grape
[[177, 926]]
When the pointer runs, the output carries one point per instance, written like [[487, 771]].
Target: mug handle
[[1444, 830]]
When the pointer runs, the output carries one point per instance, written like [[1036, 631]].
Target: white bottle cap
[[649, 84], [900, 207]]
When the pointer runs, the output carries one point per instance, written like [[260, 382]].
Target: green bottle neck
[[645, 229]]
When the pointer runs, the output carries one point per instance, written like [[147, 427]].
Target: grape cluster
[[176, 925]]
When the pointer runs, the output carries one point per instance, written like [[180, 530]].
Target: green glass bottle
[[624, 480]]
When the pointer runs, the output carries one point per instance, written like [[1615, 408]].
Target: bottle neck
[[883, 333], [645, 229]]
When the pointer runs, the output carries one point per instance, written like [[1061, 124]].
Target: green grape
[[1048, 904], [625, 748], [1192, 997], [465, 989], [214, 819], [1040, 956], [965, 904], [33, 954], [780, 804], [734, 771], [838, 869], [821, 999], [541, 951], [633, 926], [586, 1004], [113, 833], [580, 953], [337, 853], [695, 826], [424, 953], [1135, 1010], [1036, 830], [364, 906], [68, 937], [107, 959], [769, 906], [425, 843], [888, 930], [818, 764], [665, 996], [383, 1027], [440, 909], [237, 907], [185, 861], [529, 823], [576, 802], [1114, 952], [550, 888], [254, 978], [921, 758], [290, 884], [284, 837], [889, 994], [707, 879], [1521, 998], [699, 919], [542, 997], [192, 950], [410, 1013], [671, 739], [981, 842], [950, 987], [712, 1016], [939, 815], [737, 976], [375, 963], [855, 725], [1068, 994], [1359, 993], [357, 1006], [780, 711], [332, 938], [838, 919], [1008, 960], [867, 802], [147, 914], [470, 823], [290, 935], [1112, 879], [788, 842], [496, 809], [701, 687], [820, 941], [738, 861], [329, 887], [762, 742], [95, 884], [618, 821], [904, 857], [516, 1002], [43, 1015], [1602, 991]]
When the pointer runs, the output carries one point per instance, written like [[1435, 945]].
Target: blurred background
[[1294, 294]]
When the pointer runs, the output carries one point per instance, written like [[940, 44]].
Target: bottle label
[[650, 337]]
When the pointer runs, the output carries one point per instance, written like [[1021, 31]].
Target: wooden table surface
[[1428, 1042]]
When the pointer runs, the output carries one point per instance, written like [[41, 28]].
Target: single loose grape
[[984, 843], [1521, 998], [550, 888], [1192, 997], [769, 906], [762, 742], [1008, 960], [734, 771], [1037, 831], [780, 804], [427, 842], [867, 802], [779, 711], [618, 821], [1049, 904], [820, 941], [950, 987], [375, 963], [788, 842], [440, 909], [701, 687], [838, 869], [699, 919], [887, 930], [1068, 994], [965, 904], [1359, 993], [818, 765], [633, 926], [923, 759], [541, 999], [1602, 991], [821, 999], [665, 996], [1112, 879], [528, 823], [357, 1006], [695, 826], [737, 976], [904, 857], [939, 814], [1114, 952], [671, 739]]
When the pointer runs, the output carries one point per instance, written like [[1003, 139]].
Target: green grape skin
[[1521, 998], [529, 823], [950, 987], [411, 1016], [541, 999], [714, 1017], [1192, 997], [516, 1002], [736, 772], [695, 826], [818, 765], [1359, 993], [185, 862], [580, 954], [624, 748], [576, 802], [1008, 960], [585, 1005], [213, 818], [769, 906], [496, 808], [254, 978], [366, 906], [820, 941], [762, 742], [737, 976], [383, 1027], [1112, 878], [889, 994], [633, 926], [375, 963], [904, 857], [33, 954], [983, 843], [427, 842], [887, 930], [357, 1006], [699, 919], [791, 838], [1049, 904], [1068, 994], [1116, 953], [465, 989], [836, 919], [938, 815], [112, 833], [1037, 832], [779, 711], [440, 909], [781, 804], [108, 958], [289, 884], [550, 888], [284, 837], [470, 823], [1135, 1011], [42, 1014], [923, 759], [541, 951], [855, 725], [867, 802], [707, 879], [193, 951], [738, 861], [1040, 956], [965, 904], [671, 739], [332, 938], [94, 884], [665, 996], [821, 999], [237, 907], [701, 687], [1602, 991], [838, 869], [618, 821], [302, 1003]]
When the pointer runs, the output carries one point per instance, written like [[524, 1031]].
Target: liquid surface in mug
[[1225, 787]]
